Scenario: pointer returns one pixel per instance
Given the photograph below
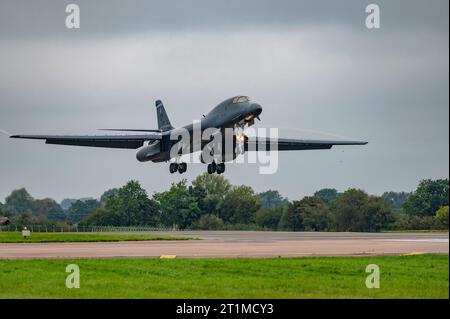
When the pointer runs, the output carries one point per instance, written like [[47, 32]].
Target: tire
[[220, 168], [173, 167], [182, 167], [212, 168]]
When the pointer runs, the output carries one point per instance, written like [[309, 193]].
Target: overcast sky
[[312, 65]]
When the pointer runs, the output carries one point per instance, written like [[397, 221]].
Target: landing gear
[[180, 167], [173, 167], [212, 168], [220, 168], [240, 137], [216, 168]]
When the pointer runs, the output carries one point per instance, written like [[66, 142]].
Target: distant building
[[4, 221]]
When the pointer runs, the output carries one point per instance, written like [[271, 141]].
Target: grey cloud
[[23, 19]]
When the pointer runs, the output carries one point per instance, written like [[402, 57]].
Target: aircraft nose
[[257, 109]]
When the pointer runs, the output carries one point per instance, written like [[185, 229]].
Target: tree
[[21, 219], [239, 205], [209, 190], [101, 217], [269, 217], [209, 222], [315, 214], [309, 213], [49, 208], [327, 195], [109, 193], [378, 214], [81, 209], [19, 201], [28, 219], [291, 218], [442, 216], [131, 206], [354, 210], [349, 208], [428, 198], [67, 202], [395, 199], [272, 199], [178, 205]]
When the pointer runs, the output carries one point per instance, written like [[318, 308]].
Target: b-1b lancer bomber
[[223, 123]]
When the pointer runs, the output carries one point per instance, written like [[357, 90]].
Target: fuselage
[[231, 112]]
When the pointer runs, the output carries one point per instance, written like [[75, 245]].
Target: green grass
[[420, 276], [16, 237]]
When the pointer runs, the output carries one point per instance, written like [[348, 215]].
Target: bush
[[268, 217], [209, 222], [408, 222], [442, 216]]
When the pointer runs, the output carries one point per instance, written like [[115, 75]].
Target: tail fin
[[163, 119]]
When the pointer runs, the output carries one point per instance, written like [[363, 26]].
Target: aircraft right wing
[[109, 141], [284, 144]]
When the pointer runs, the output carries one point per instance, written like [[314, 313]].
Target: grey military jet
[[156, 145]]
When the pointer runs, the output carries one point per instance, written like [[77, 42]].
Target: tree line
[[212, 202]]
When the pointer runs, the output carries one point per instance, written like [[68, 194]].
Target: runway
[[229, 244]]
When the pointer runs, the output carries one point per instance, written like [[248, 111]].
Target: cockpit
[[241, 99]]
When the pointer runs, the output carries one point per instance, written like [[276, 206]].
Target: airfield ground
[[220, 244], [412, 265], [417, 276], [16, 237]]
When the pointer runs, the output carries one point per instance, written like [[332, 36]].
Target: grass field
[[420, 276], [16, 237]]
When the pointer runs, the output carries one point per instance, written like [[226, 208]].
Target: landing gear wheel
[[220, 168], [182, 167], [212, 168], [173, 167]]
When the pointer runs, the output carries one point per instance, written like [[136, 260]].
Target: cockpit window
[[240, 99]]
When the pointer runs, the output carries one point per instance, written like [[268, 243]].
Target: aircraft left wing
[[285, 144], [109, 141]]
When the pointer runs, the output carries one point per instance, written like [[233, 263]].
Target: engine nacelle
[[149, 152]]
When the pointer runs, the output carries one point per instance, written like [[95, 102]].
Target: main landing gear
[[180, 167], [216, 168]]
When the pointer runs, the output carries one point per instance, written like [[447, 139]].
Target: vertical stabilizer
[[163, 119]]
